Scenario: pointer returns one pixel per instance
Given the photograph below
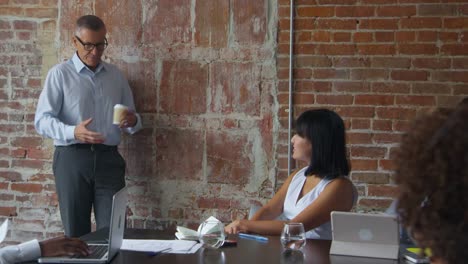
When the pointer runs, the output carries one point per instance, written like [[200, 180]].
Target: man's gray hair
[[89, 22]]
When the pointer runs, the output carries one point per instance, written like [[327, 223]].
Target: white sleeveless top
[[291, 209]]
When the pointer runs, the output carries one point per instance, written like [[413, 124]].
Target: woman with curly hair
[[432, 173]]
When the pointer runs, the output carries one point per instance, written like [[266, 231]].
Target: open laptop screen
[[365, 235], [116, 232]]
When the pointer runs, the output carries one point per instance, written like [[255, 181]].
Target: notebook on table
[[102, 253], [412, 255], [365, 235]]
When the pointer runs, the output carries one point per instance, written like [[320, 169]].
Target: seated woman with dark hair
[[432, 173], [309, 195]]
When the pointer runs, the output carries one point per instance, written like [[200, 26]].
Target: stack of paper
[[184, 233], [155, 246]]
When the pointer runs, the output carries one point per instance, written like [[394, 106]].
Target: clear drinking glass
[[208, 256], [211, 234], [293, 236]]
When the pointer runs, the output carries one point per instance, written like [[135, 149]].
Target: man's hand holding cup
[[124, 117]]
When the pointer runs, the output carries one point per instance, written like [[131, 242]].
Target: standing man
[[75, 109]]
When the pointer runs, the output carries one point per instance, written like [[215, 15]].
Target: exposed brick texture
[[183, 87], [211, 29], [210, 79], [27, 39], [385, 63]]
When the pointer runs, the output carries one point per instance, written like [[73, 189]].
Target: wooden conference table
[[246, 251]]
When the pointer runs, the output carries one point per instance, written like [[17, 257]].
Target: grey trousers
[[87, 176]]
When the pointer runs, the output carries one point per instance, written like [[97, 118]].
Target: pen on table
[[155, 253], [256, 237]]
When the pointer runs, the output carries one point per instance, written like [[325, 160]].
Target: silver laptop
[[102, 253], [365, 235]]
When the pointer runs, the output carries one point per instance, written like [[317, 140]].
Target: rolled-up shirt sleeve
[[50, 103], [23, 252]]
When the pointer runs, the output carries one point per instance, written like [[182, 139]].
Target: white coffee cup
[[119, 113]]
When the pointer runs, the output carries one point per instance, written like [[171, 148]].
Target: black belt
[[92, 147]]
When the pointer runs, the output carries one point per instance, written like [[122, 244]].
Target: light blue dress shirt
[[73, 93], [26, 251]]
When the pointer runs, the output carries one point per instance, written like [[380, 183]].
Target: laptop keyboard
[[97, 251]]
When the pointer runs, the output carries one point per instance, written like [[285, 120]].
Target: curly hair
[[432, 173]]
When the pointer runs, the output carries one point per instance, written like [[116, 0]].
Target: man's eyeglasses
[[90, 46]]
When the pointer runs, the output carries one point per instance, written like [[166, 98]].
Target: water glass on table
[[293, 236], [211, 234]]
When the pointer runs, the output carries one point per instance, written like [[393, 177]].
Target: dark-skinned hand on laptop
[[63, 246]]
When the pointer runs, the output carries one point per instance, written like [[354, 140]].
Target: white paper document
[[3, 230], [166, 246], [184, 233]]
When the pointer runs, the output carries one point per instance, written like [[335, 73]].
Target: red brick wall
[[203, 76], [378, 63], [210, 80], [27, 190]]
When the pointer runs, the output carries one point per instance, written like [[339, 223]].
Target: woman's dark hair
[[325, 130], [432, 174]]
